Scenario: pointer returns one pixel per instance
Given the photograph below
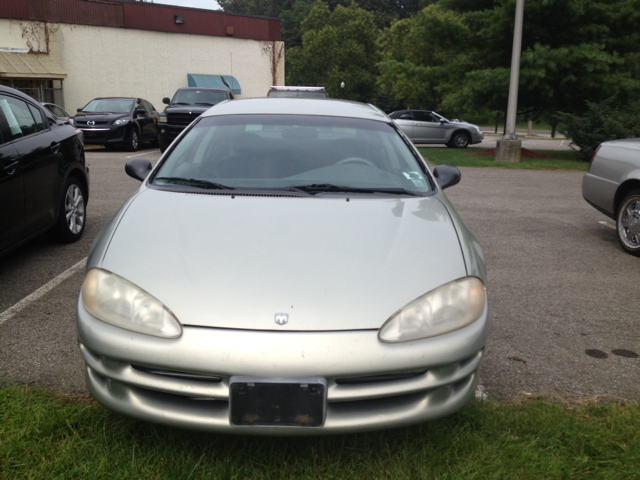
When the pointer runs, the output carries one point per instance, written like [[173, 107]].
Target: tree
[[420, 54], [572, 51], [338, 46]]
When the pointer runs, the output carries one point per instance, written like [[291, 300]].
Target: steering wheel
[[356, 160]]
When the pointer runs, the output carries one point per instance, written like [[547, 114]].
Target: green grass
[[46, 435], [561, 159]]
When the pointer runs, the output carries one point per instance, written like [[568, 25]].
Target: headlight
[[114, 300], [162, 119], [447, 308], [122, 121]]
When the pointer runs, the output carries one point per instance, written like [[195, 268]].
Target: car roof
[[205, 88], [298, 106]]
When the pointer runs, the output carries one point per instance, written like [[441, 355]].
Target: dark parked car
[[426, 126], [44, 182], [186, 105], [118, 121], [58, 111]]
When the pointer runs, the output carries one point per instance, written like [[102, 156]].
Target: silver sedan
[[425, 126], [289, 267], [612, 185]]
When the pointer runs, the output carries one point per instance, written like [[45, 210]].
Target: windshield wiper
[[194, 182], [180, 103], [315, 188], [205, 103]]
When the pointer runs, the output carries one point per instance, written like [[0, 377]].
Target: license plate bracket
[[274, 402]]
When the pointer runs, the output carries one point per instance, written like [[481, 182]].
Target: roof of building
[[144, 16]]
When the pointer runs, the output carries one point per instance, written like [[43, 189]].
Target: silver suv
[[425, 126]]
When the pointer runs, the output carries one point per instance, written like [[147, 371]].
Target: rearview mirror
[[138, 168], [447, 175]]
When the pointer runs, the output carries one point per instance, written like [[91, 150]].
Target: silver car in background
[[289, 267], [612, 185], [425, 126]]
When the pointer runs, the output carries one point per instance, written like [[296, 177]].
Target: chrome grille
[[181, 118]]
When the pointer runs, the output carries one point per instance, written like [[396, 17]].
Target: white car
[[612, 185], [289, 267]]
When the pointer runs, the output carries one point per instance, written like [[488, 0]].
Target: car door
[[11, 189], [153, 115], [427, 128], [40, 159], [405, 122], [146, 120]]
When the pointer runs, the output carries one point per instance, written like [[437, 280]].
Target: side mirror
[[140, 111], [138, 168], [442, 120], [447, 175], [78, 110], [166, 100]]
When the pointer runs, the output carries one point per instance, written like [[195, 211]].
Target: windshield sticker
[[415, 177]]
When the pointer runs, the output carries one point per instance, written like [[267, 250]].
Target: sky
[[206, 4]]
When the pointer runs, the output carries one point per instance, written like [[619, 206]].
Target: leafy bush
[[600, 123]]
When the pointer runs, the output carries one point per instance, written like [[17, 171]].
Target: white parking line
[[144, 153], [11, 311], [613, 227]]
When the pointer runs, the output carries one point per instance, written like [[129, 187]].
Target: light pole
[[341, 89], [508, 149]]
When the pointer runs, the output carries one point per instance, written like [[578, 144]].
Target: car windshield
[[199, 97], [297, 94], [310, 154], [109, 105]]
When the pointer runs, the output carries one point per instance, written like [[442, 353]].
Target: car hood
[[328, 262]]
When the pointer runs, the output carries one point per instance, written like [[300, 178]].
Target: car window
[[58, 111], [297, 94], [281, 151], [146, 105], [109, 105], [18, 116], [199, 97], [425, 117], [406, 116], [39, 119]]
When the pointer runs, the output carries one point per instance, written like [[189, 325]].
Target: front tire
[[132, 142], [73, 214], [459, 140], [628, 223]]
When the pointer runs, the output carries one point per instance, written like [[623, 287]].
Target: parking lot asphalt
[[563, 296]]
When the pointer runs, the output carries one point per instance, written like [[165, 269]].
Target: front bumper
[[104, 136], [476, 137], [169, 132], [184, 382]]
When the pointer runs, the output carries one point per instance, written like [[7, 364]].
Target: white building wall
[[107, 62]]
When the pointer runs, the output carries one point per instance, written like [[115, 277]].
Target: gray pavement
[[559, 286]]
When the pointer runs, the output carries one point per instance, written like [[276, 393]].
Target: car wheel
[[72, 216], [131, 143], [460, 140], [628, 223]]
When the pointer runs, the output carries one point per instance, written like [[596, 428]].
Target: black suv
[[44, 181], [118, 121], [186, 105]]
